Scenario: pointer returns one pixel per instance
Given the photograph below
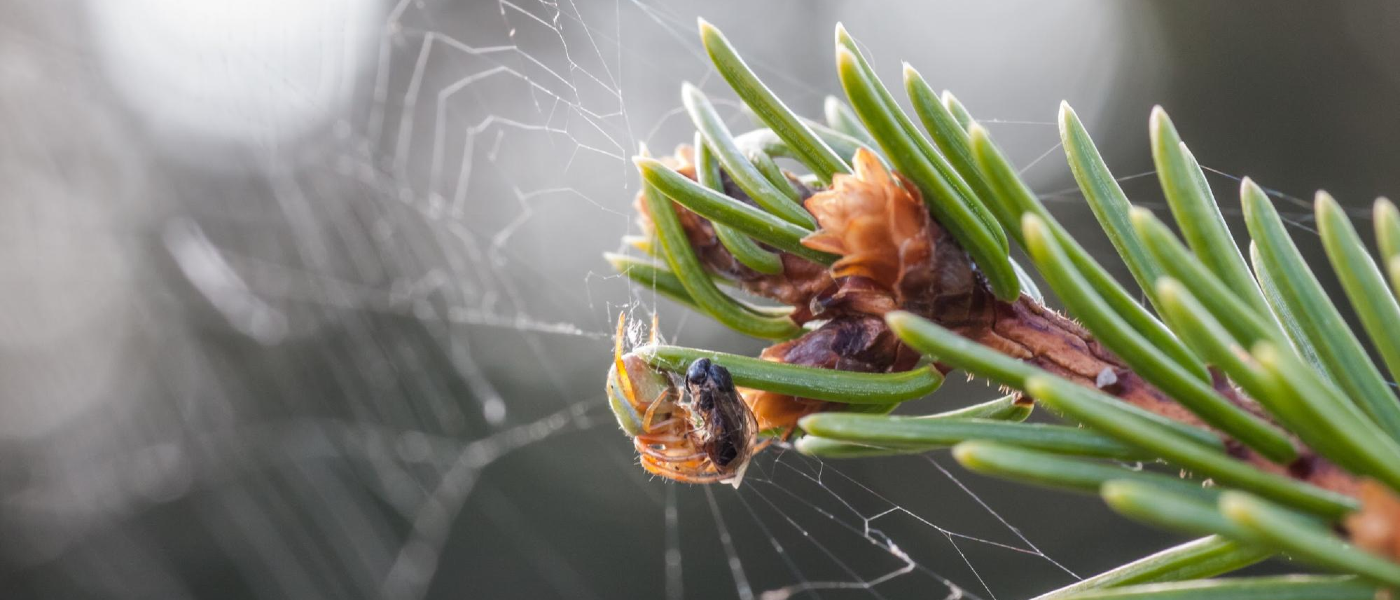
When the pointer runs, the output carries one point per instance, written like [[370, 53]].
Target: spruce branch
[[892, 263]]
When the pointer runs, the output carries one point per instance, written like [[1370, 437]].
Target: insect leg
[[622, 376], [651, 411]]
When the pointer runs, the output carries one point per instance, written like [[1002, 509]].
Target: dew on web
[[422, 318]]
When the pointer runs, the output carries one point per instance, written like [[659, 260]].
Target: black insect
[[723, 426], [695, 429]]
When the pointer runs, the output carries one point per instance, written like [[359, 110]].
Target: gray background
[[256, 339]]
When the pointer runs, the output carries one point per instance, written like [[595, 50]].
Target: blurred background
[[306, 299]]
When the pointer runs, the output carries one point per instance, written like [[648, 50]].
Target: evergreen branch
[[1303, 454]]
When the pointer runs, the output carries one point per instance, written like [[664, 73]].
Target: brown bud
[[1376, 527], [877, 222]]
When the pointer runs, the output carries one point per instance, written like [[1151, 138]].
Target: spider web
[[377, 373]]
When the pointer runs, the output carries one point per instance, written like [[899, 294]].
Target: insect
[[695, 429]]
